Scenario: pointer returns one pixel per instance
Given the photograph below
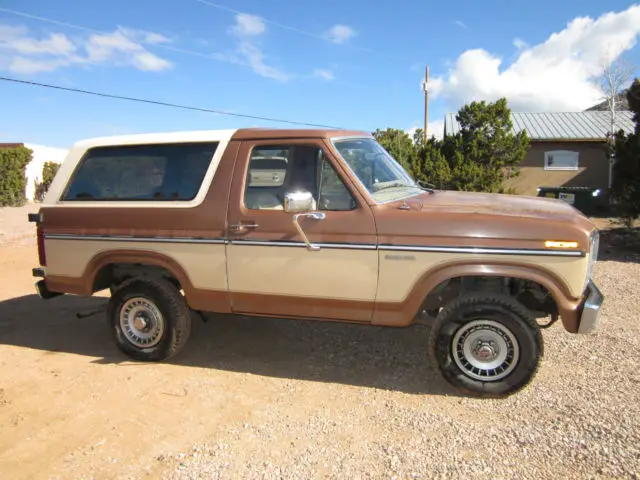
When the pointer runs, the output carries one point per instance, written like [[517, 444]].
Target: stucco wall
[[593, 170], [33, 171]]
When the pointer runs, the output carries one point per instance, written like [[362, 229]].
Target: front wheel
[[149, 318], [486, 344]]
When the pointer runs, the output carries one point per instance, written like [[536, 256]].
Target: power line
[[165, 104]]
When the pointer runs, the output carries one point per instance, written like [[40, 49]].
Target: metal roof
[[588, 126]]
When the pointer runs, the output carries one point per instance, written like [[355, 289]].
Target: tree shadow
[[358, 355], [620, 245]]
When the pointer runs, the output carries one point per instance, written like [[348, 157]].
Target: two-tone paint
[[376, 263]]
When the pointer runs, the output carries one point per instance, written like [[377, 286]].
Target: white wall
[[33, 171]]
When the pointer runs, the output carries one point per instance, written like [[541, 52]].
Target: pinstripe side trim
[[125, 238], [483, 250], [345, 246]]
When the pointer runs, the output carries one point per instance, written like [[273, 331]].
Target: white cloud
[[339, 34], [248, 25], [253, 55], [144, 36], [555, 75], [461, 24], [324, 74], [29, 66], [248, 29], [435, 128], [520, 44], [21, 52], [155, 38], [119, 49]]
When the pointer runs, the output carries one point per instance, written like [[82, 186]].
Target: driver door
[[272, 270]]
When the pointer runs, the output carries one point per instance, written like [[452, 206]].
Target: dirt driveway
[[262, 398]]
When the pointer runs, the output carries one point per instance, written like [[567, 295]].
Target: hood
[[497, 204], [481, 219]]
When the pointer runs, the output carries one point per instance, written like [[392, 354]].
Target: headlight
[[594, 244]]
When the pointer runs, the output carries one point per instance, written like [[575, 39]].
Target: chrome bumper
[[590, 316]]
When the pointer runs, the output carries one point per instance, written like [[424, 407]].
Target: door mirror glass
[[296, 202]]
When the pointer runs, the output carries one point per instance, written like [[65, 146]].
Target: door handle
[[241, 227], [314, 216]]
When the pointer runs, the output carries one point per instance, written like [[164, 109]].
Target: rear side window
[[141, 172]]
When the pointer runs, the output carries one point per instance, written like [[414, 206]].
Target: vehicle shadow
[[374, 357]]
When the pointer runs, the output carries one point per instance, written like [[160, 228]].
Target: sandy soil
[[72, 406]]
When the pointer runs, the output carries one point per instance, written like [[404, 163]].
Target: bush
[[13, 180], [49, 171]]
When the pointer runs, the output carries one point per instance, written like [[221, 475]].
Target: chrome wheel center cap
[[485, 352], [141, 323]]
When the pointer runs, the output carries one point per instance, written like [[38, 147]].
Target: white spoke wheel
[[486, 344], [150, 319], [485, 350], [142, 322]]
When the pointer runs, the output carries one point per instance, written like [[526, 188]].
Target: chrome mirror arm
[[313, 215]]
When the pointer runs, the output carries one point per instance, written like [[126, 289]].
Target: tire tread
[[496, 300]]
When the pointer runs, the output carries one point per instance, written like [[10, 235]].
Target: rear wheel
[[150, 319], [486, 344]]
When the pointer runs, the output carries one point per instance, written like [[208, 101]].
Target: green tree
[[625, 187], [49, 171], [633, 99], [13, 180], [399, 145], [429, 165], [485, 152]]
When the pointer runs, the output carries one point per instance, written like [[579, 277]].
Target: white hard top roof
[[159, 137]]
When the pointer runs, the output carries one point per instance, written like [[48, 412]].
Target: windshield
[[378, 171]]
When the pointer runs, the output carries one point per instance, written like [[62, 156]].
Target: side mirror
[[297, 202]]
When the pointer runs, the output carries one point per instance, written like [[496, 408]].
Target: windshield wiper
[[427, 187], [393, 184]]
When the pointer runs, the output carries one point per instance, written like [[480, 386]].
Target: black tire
[[163, 304], [495, 315]]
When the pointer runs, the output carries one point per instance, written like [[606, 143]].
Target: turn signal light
[[558, 244]]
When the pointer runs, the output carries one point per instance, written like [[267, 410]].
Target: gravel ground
[[269, 398], [580, 418], [14, 228]]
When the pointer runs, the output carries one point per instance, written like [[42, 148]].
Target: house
[[566, 149], [33, 171]]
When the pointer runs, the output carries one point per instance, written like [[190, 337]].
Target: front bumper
[[590, 314]]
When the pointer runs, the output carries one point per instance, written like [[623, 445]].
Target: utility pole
[[426, 103]]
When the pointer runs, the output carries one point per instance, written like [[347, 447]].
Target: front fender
[[402, 314]]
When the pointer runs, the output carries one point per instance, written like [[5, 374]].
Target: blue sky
[[355, 64]]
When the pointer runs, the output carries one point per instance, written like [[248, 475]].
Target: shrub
[[49, 171], [13, 180]]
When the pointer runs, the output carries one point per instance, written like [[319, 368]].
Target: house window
[[561, 160]]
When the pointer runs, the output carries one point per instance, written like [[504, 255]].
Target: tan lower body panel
[[204, 264], [333, 283], [400, 271], [293, 281]]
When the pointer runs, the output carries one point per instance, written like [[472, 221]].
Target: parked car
[[342, 234]]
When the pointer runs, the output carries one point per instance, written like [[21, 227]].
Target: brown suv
[[312, 224]]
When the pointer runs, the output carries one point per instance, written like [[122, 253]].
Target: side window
[[141, 172], [276, 170], [332, 192]]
